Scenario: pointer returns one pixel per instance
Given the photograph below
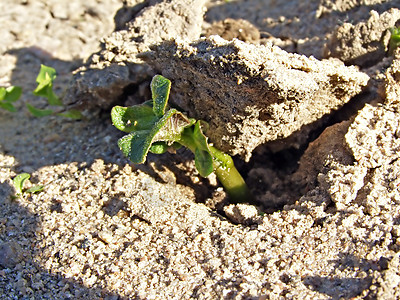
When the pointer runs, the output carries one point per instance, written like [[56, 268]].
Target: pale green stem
[[226, 172], [230, 177]]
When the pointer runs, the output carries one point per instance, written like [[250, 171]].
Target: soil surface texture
[[303, 94]]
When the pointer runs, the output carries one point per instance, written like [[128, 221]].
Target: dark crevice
[[270, 174]]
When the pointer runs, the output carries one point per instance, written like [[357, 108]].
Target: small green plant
[[155, 127], [45, 80], [394, 39], [19, 181], [44, 89], [8, 96]]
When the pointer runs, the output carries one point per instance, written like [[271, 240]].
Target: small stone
[[10, 254], [106, 236], [242, 213]]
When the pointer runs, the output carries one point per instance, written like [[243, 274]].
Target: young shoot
[[155, 127], [19, 181], [44, 89]]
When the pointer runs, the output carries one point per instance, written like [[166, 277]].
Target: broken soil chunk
[[252, 94], [364, 43], [116, 66]]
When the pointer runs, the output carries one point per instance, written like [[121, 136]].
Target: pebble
[[10, 254], [106, 236]]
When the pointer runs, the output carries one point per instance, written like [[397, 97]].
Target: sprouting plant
[[45, 80], [394, 39], [44, 88], [8, 96], [19, 181], [155, 127]]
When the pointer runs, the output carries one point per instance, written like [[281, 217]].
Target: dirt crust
[[251, 94]]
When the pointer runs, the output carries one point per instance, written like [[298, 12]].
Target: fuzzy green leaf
[[37, 112], [200, 138], [19, 180], [133, 118], [45, 80], [168, 128], [160, 87], [135, 146], [194, 138]]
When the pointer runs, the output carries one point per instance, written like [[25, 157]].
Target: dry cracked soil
[[304, 95]]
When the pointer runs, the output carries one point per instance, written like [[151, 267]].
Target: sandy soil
[[327, 220]]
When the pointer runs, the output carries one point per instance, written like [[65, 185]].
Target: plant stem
[[226, 172], [224, 168], [230, 177]]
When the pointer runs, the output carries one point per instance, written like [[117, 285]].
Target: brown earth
[[307, 94]]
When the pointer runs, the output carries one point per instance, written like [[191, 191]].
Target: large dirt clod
[[364, 43], [115, 67], [252, 94]]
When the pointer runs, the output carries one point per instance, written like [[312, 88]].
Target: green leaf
[[72, 114], [8, 106], [45, 80], [160, 87], [159, 147], [203, 158], [133, 118], [47, 92], [150, 128], [19, 182], [204, 162], [8, 96], [200, 138], [13, 93], [194, 138], [38, 112], [168, 128], [35, 189], [135, 146], [46, 74]]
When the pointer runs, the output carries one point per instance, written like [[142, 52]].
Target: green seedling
[[44, 89], [45, 80], [394, 39], [8, 96], [154, 126], [19, 181]]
